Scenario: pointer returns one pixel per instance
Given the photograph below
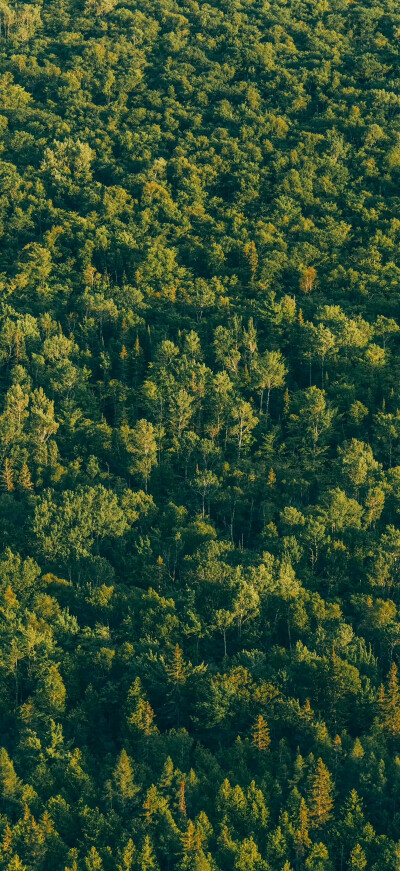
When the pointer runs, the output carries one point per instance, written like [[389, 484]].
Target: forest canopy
[[200, 435]]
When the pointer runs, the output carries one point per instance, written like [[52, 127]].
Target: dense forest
[[200, 435]]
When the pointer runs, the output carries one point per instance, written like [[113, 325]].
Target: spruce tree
[[320, 798], [260, 734]]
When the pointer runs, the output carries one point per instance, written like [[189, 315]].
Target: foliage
[[199, 435]]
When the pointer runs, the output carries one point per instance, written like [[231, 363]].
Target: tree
[[358, 859], [269, 374], [69, 526], [15, 864], [140, 715], [128, 857], [246, 603], [301, 837], [51, 692], [248, 857], [123, 786], [260, 734], [387, 432], [93, 861], [42, 417], [318, 859], [206, 483], [307, 279], [146, 859], [223, 620], [180, 412], [177, 671], [10, 785], [244, 421], [320, 800], [357, 463], [342, 513], [141, 443], [24, 479], [324, 345], [389, 704], [313, 419], [7, 476]]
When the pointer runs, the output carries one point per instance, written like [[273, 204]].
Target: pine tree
[[318, 859], [389, 704], [93, 861], [15, 864], [357, 752], [7, 476], [123, 357], [10, 786], [177, 672], [128, 857], [176, 668], [182, 799], [125, 788], [6, 844], [147, 860], [358, 859], [251, 255], [337, 748], [320, 801], [301, 837], [190, 839], [248, 857], [24, 479], [260, 734], [352, 821], [141, 714]]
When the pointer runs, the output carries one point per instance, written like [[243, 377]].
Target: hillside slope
[[200, 435]]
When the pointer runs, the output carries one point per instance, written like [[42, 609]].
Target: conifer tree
[[93, 861], [7, 476], [260, 734], [320, 801], [140, 712], [301, 837], [124, 787], [389, 704], [128, 857], [147, 860], [191, 840], [182, 799], [24, 479], [15, 864], [10, 785], [358, 859], [318, 859]]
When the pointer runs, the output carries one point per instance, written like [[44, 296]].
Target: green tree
[[389, 703], [123, 782], [358, 859], [93, 861], [318, 859], [320, 800], [146, 859], [269, 374], [260, 734], [141, 443]]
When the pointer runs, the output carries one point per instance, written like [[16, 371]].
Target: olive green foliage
[[199, 435]]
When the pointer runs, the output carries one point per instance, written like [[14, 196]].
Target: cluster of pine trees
[[199, 435]]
